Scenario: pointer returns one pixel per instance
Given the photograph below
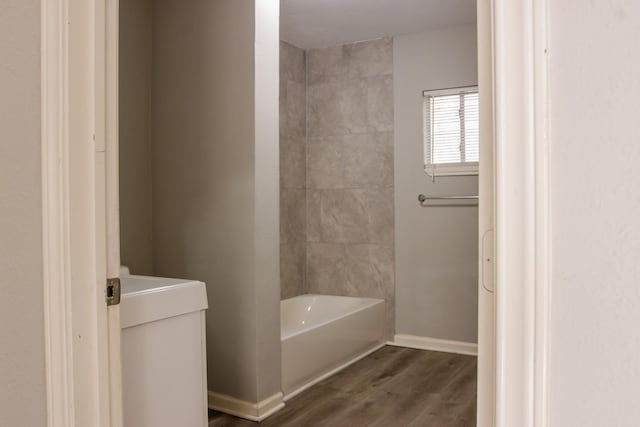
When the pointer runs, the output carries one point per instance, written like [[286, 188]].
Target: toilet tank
[[163, 352]]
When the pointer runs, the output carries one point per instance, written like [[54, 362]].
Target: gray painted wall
[[22, 359], [215, 178], [436, 247], [293, 152], [594, 99], [350, 171], [135, 139]]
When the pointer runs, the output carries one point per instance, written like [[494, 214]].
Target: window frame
[[444, 169]]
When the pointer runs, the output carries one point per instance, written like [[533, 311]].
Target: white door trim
[[486, 222], [523, 224], [55, 215], [543, 224], [107, 193], [81, 334]]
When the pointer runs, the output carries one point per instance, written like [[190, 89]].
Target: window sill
[[452, 170]]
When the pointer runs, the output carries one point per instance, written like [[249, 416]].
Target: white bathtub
[[322, 334]]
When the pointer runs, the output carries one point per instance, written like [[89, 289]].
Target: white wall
[[215, 178], [135, 139], [266, 212], [595, 179], [436, 248], [22, 359]]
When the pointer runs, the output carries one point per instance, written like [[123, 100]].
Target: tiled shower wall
[[347, 180], [292, 170], [350, 171]]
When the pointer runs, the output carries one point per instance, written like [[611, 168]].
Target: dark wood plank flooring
[[392, 387]]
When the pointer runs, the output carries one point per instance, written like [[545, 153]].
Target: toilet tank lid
[[147, 299]]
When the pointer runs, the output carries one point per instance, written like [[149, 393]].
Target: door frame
[[79, 255], [522, 211], [79, 211], [485, 403], [55, 214]]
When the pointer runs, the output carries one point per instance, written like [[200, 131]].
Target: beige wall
[[135, 139], [215, 178], [293, 172], [350, 171], [22, 359], [594, 98], [436, 247]]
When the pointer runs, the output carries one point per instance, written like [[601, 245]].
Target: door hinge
[[112, 296]]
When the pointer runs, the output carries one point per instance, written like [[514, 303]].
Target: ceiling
[[321, 23]]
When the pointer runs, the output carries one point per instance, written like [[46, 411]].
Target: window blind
[[451, 128]]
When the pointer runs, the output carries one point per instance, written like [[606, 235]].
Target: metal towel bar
[[422, 198]]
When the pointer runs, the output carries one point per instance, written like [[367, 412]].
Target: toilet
[[164, 369]]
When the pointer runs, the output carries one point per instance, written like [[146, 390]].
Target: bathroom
[[274, 170]]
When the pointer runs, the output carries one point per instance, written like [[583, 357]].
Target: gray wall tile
[[368, 160], [358, 270], [293, 259], [327, 268], [350, 208], [362, 160], [293, 159], [350, 216], [292, 215], [314, 228], [354, 105], [337, 200], [326, 65], [380, 104], [292, 162], [370, 273], [370, 58], [324, 110], [357, 60], [325, 162], [292, 109], [292, 63]]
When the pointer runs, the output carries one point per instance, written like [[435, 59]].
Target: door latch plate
[[112, 296]]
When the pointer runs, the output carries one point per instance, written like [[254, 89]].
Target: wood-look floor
[[392, 387]]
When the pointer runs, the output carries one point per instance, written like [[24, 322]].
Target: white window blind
[[451, 131]]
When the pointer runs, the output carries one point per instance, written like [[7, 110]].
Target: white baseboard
[[244, 409], [434, 344]]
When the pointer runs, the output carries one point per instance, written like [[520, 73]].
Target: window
[[451, 131]]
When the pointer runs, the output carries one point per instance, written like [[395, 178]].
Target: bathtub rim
[[371, 302]]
